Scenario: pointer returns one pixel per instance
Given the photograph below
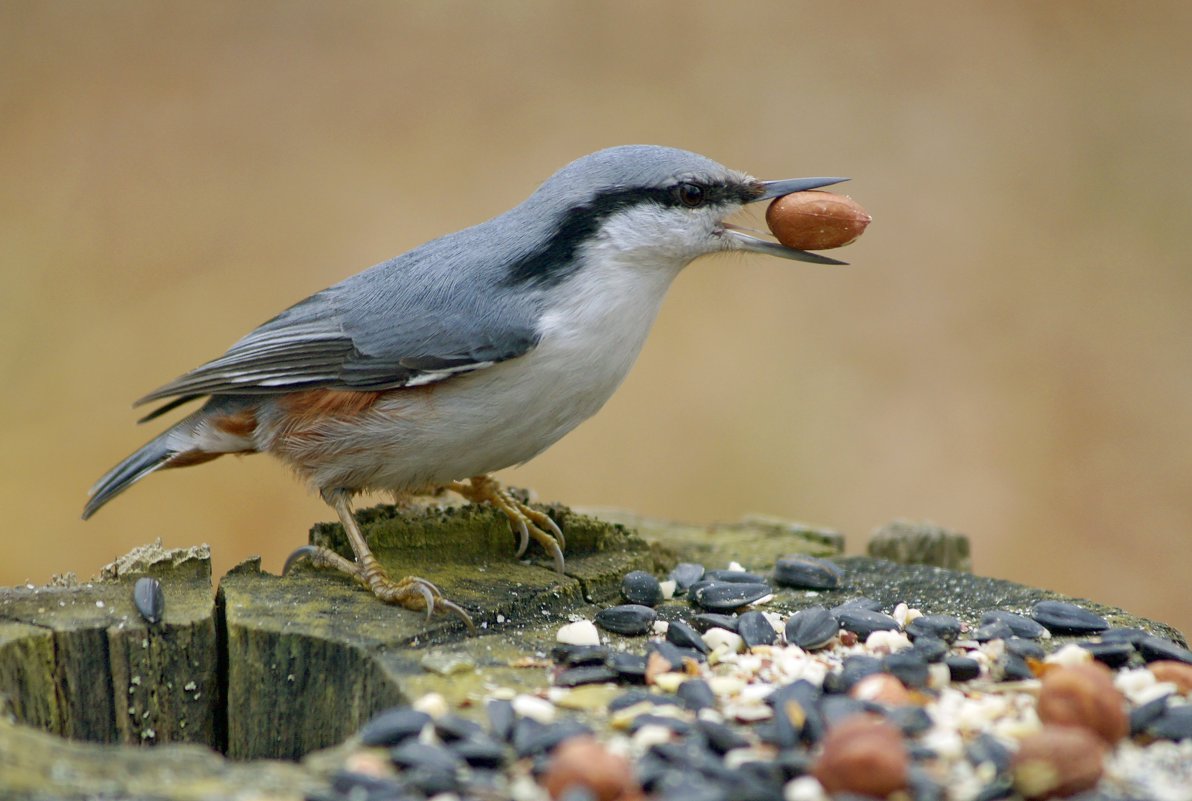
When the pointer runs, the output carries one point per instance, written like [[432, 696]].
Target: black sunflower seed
[[913, 720], [908, 667], [720, 736], [1132, 636], [685, 574], [628, 619], [480, 753], [414, 754], [942, 627], [836, 708], [393, 726], [149, 599], [450, 728], [576, 655], [673, 654], [985, 748], [1155, 648], [1111, 654], [994, 630], [640, 587], [632, 697], [531, 737], [501, 718], [755, 629], [961, 668], [860, 602], [864, 622], [1144, 715], [676, 725], [1024, 649], [630, 667], [586, 674], [800, 571], [726, 597], [931, 648], [857, 667], [1015, 668], [735, 576], [684, 636], [1021, 625], [1174, 724], [812, 628], [696, 694], [709, 620], [1061, 617]]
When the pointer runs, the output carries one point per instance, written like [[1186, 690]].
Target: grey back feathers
[[455, 304]]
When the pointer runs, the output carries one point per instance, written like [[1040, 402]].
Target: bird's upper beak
[[773, 189]]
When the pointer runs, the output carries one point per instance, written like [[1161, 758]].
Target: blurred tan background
[[1010, 353]]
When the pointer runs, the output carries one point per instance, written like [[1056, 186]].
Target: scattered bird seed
[[962, 668], [864, 622], [629, 667], [1174, 724], [1155, 648], [800, 571], [1112, 654], [943, 627], [734, 576], [696, 694], [149, 599], [1061, 617], [393, 726], [684, 636], [1025, 649], [628, 619], [993, 630], [1021, 625], [728, 596], [640, 587], [685, 574], [860, 602], [586, 674], [707, 620], [755, 629], [908, 667], [930, 648], [812, 629]]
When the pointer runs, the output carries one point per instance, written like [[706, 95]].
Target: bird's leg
[[411, 592], [523, 519]]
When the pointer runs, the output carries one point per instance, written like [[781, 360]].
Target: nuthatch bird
[[471, 353]]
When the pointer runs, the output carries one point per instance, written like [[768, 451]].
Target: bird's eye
[[690, 195]]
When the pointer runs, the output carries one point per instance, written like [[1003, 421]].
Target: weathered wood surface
[[277, 667], [80, 661]]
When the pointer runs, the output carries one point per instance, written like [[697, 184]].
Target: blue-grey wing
[[402, 323]]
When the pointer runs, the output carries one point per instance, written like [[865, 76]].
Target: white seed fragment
[[432, 704], [531, 706], [1070, 654], [717, 638], [582, 632]]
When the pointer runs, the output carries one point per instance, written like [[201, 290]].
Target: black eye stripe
[[554, 260]]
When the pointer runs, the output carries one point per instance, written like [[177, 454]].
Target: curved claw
[[557, 553], [459, 612], [555, 530], [427, 591], [292, 559], [524, 532]]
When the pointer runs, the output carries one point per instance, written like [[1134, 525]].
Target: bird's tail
[[149, 457]]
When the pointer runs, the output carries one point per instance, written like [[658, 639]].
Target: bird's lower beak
[[770, 190]]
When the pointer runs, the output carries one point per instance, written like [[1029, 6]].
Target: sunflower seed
[[1061, 617], [806, 572], [628, 619], [640, 587]]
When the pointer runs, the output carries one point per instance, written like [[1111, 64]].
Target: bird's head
[[656, 204]]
